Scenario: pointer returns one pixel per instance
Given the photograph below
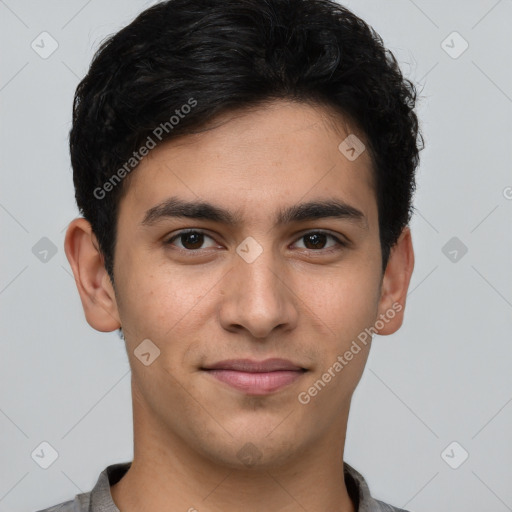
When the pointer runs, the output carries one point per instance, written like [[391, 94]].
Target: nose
[[258, 297]]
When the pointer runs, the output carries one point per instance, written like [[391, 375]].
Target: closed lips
[[256, 377], [252, 366]]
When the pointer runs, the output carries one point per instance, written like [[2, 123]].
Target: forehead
[[277, 154]]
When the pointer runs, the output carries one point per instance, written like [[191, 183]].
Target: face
[[252, 241]]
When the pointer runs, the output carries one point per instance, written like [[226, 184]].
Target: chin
[[252, 452]]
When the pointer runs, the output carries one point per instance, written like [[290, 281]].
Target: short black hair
[[181, 63]]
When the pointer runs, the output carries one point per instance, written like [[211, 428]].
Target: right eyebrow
[[175, 207]]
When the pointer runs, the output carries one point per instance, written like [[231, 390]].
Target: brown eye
[[189, 240], [317, 240]]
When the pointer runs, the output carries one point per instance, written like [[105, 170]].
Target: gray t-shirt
[[100, 499]]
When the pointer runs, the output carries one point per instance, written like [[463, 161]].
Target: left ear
[[395, 284]]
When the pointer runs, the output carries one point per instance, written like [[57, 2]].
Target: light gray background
[[445, 376]]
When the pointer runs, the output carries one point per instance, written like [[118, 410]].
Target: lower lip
[[257, 383]]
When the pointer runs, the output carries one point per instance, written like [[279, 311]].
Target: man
[[245, 171]]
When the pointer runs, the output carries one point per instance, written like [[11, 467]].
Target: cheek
[[345, 303], [163, 303], [343, 307]]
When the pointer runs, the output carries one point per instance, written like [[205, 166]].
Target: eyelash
[[191, 252]]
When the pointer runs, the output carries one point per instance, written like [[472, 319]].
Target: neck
[[169, 475]]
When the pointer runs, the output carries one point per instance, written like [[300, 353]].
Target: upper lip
[[252, 366]]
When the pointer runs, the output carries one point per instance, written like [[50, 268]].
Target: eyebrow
[[175, 207]]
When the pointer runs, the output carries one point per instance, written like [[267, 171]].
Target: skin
[[296, 301]]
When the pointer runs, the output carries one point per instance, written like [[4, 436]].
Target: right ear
[[91, 278]]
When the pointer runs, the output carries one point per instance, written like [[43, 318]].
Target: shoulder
[[360, 493], [99, 498], [67, 506], [385, 507], [80, 503]]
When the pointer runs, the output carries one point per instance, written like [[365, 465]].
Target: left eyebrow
[[175, 207], [314, 210]]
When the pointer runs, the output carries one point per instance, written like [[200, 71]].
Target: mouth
[[256, 377]]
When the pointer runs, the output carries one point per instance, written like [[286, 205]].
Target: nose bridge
[[259, 275], [257, 299], [257, 269]]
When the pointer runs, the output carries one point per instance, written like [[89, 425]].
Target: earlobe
[[91, 278], [395, 284]]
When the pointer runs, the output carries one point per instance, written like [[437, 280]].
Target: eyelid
[[341, 242], [337, 236], [168, 241]]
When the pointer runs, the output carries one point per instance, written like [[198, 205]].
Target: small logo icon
[[454, 45], [249, 249], [146, 352], [454, 455], [44, 45], [44, 455], [352, 147], [249, 454], [44, 250], [454, 249]]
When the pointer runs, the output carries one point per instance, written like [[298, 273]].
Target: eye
[[190, 240], [316, 240]]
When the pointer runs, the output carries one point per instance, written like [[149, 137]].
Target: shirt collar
[[358, 490]]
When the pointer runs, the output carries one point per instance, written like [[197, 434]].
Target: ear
[[91, 278], [395, 284]]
